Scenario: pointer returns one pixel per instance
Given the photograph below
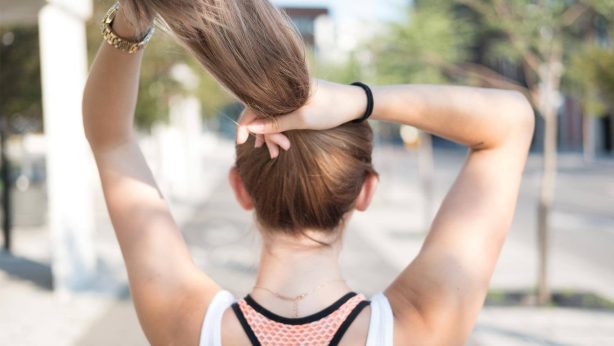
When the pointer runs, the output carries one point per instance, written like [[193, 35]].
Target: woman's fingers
[[273, 143], [275, 125], [273, 149], [279, 139], [242, 131], [259, 141], [267, 131]]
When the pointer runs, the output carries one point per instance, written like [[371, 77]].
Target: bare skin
[[435, 300]]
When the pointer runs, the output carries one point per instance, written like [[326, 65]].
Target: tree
[[523, 45], [341, 72], [590, 76], [583, 77], [419, 49], [537, 36], [20, 102], [20, 69]]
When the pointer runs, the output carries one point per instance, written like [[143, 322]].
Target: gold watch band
[[120, 43]]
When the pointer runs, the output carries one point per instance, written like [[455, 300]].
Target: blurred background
[[62, 280]]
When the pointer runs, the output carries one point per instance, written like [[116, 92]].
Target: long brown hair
[[251, 48]]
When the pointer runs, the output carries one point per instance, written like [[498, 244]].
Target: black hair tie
[[370, 102]]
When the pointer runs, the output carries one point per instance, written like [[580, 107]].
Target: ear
[[237, 187], [367, 192]]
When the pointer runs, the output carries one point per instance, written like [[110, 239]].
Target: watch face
[[108, 19]]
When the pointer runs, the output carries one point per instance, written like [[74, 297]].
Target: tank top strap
[[381, 325], [211, 331]]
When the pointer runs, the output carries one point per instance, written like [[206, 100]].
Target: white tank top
[[380, 325]]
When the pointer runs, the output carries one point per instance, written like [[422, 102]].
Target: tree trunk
[[546, 199], [588, 138], [5, 175], [548, 101], [426, 170]]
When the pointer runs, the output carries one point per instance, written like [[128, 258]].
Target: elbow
[[100, 129], [526, 115], [521, 117]]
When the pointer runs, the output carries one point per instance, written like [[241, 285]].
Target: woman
[[303, 195]]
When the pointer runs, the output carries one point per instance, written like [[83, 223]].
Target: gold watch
[[118, 42]]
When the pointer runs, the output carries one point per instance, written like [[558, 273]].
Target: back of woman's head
[[251, 48]]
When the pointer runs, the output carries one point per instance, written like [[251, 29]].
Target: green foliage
[[603, 7], [345, 73], [534, 34], [419, 48], [20, 78], [590, 77], [591, 71]]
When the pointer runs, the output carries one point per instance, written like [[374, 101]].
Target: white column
[[185, 120], [64, 70], [185, 117]]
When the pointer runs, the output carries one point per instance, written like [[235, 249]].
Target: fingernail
[[241, 137]]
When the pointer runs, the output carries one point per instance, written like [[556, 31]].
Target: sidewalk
[[396, 213], [515, 326]]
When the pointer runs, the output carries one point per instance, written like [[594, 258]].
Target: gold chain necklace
[[299, 297]]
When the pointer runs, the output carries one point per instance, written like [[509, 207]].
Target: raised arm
[[476, 117], [160, 270], [437, 298]]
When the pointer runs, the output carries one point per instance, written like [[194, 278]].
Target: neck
[[292, 266]]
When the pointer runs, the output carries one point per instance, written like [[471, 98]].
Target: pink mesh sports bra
[[326, 327]]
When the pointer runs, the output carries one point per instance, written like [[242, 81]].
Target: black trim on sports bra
[[348, 321], [248, 330], [301, 320]]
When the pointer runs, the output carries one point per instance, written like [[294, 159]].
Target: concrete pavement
[[582, 233]]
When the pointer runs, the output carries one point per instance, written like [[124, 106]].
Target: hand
[[329, 105]]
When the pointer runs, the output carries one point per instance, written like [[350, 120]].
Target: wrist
[[379, 103], [359, 103], [119, 32], [368, 110], [126, 30]]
